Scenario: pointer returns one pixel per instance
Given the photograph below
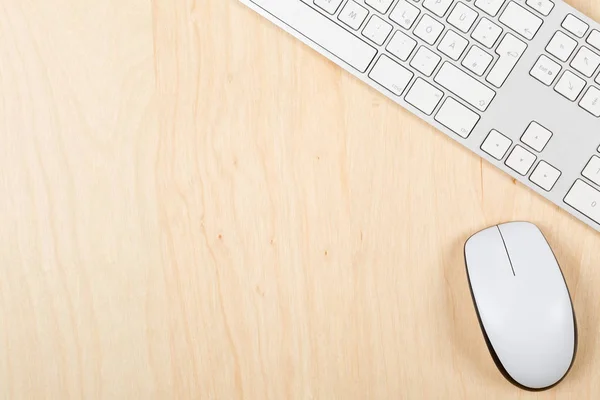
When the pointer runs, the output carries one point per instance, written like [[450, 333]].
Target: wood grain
[[196, 206]]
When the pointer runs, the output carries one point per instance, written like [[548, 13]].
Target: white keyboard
[[516, 81]]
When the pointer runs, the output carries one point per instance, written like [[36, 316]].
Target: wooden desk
[[196, 206]]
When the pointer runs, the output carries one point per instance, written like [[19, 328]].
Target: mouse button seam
[[506, 248]]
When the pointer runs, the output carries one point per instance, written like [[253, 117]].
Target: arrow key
[[496, 144], [545, 176], [520, 160], [536, 136]]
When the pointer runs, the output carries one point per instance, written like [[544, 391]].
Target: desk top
[[195, 205]]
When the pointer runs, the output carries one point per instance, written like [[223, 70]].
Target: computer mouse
[[522, 303]]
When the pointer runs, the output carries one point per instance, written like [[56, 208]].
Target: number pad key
[[592, 170], [585, 199], [545, 176]]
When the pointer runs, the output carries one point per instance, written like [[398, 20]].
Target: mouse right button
[[530, 253]]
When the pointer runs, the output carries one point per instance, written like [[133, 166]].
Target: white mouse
[[522, 303]]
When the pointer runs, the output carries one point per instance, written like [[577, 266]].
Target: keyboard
[[515, 81]]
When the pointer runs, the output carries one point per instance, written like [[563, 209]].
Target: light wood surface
[[196, 206]]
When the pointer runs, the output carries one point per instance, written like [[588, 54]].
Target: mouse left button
[[486, 258]]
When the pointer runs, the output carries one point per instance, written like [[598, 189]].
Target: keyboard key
[[353, 15], [592, 170], [429, 29], [377, 30], [510, 51], [462, 17], [477, 60], [329, 6], [544, 7], [545, 176], [545, 70], [586, 62], [391, 75], [380, 5], [520, 160], [425, 61], [438, 7], [496, 145], [536, 136], [319, 29], [561, 46], [524, 22], [490, 6], [453, 45], [405, 14], [401, 45], [574, 25], [591, 101], [456, 117], [585, 199], [464, 86], [486, 33], [570, 85], [424, 96], [594, 39]]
